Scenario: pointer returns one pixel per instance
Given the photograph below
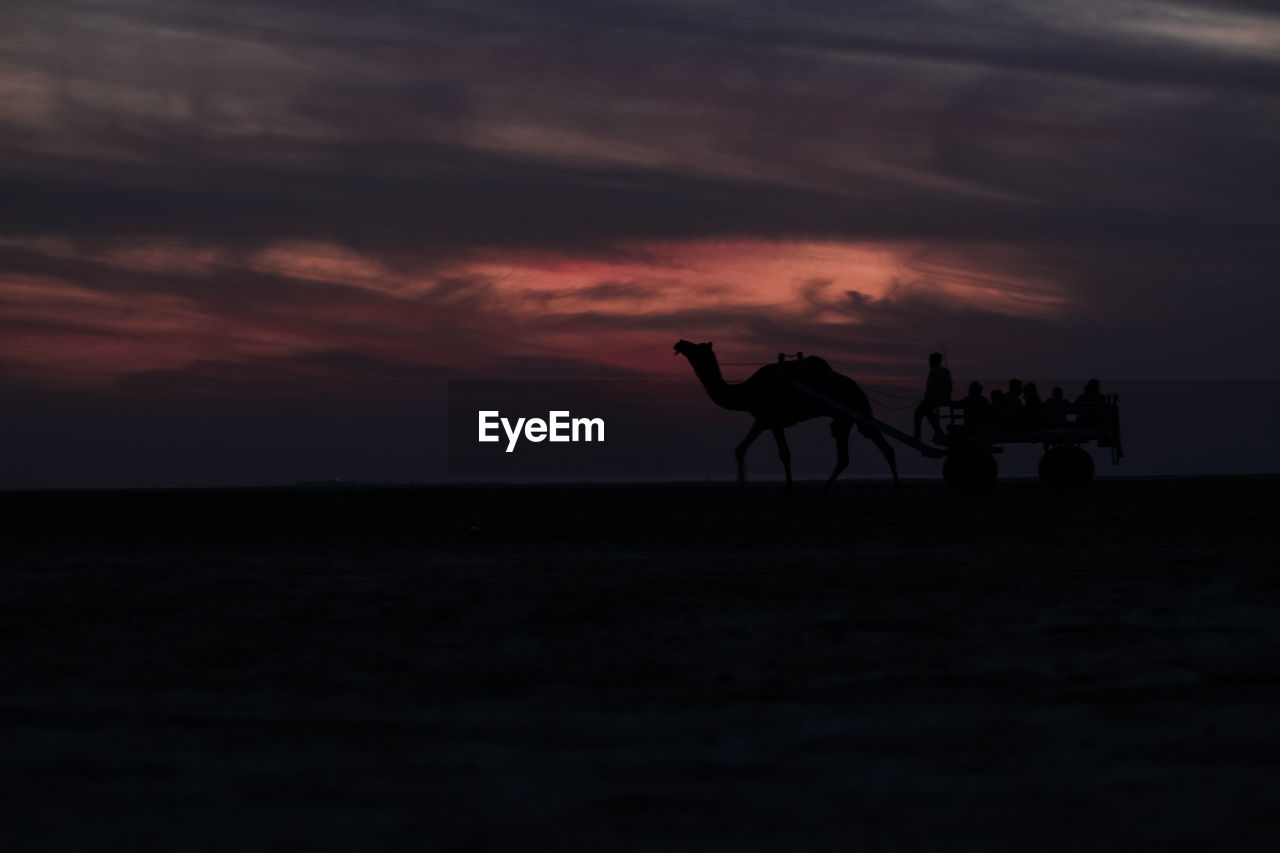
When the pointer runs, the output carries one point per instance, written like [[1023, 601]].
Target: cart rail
[[969, 456], [1103, 427]]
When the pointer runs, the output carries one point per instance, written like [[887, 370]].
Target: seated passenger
[[1092, 393], [998, 415], [1033, 410], [977, 409], [1011, 400], [1091, 405], [1055, 409]]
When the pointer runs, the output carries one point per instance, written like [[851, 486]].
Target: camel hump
[[813, 364]]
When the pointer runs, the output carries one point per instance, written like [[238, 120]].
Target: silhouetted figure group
[[1019, 407]]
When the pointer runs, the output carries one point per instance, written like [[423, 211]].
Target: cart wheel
[[970, 472], [1083, 468], [1066, 468]]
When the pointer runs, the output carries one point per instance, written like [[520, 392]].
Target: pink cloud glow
[[489, 308]]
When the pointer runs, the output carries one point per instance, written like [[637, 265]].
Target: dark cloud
[[403, 125], [1118, 158]]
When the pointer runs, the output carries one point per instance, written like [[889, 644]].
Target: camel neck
[[721, 393]]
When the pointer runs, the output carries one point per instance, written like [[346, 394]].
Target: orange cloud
[[489, 308]]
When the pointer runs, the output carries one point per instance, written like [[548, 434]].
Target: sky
[[250, 241]]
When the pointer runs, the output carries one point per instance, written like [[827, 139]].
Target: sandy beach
[[669, 668]]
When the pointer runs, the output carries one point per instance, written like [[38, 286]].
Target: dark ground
[[645, 667]]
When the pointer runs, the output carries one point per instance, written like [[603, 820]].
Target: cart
[[969, 452]]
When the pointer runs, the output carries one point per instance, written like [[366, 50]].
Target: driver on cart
[[937, 392]]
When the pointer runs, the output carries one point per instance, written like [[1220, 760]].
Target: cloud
[[297, 178], [253, 240]]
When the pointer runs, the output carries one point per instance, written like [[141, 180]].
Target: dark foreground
[[660, 668]]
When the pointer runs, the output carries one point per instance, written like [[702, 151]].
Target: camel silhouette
[[775, 403]]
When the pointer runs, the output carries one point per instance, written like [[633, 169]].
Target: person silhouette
[[977, 409], [1055, 409], [937, 392], [998, 415], [1033, 408], [1090, 406], [1013, 400], [1092, 394]]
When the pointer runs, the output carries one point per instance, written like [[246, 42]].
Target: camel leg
[[839, 429], [740, 452], [886, 449], [784, 453]]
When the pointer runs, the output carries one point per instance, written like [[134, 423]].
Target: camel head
[[690, 350]]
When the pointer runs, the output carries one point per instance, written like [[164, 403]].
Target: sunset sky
[[229, 228]]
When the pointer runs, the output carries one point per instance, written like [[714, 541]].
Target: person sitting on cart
[[1033, 407], [1012, 400], [937, 392], [998, 414], [976, 408], [1055, 409], [1091, 405]]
